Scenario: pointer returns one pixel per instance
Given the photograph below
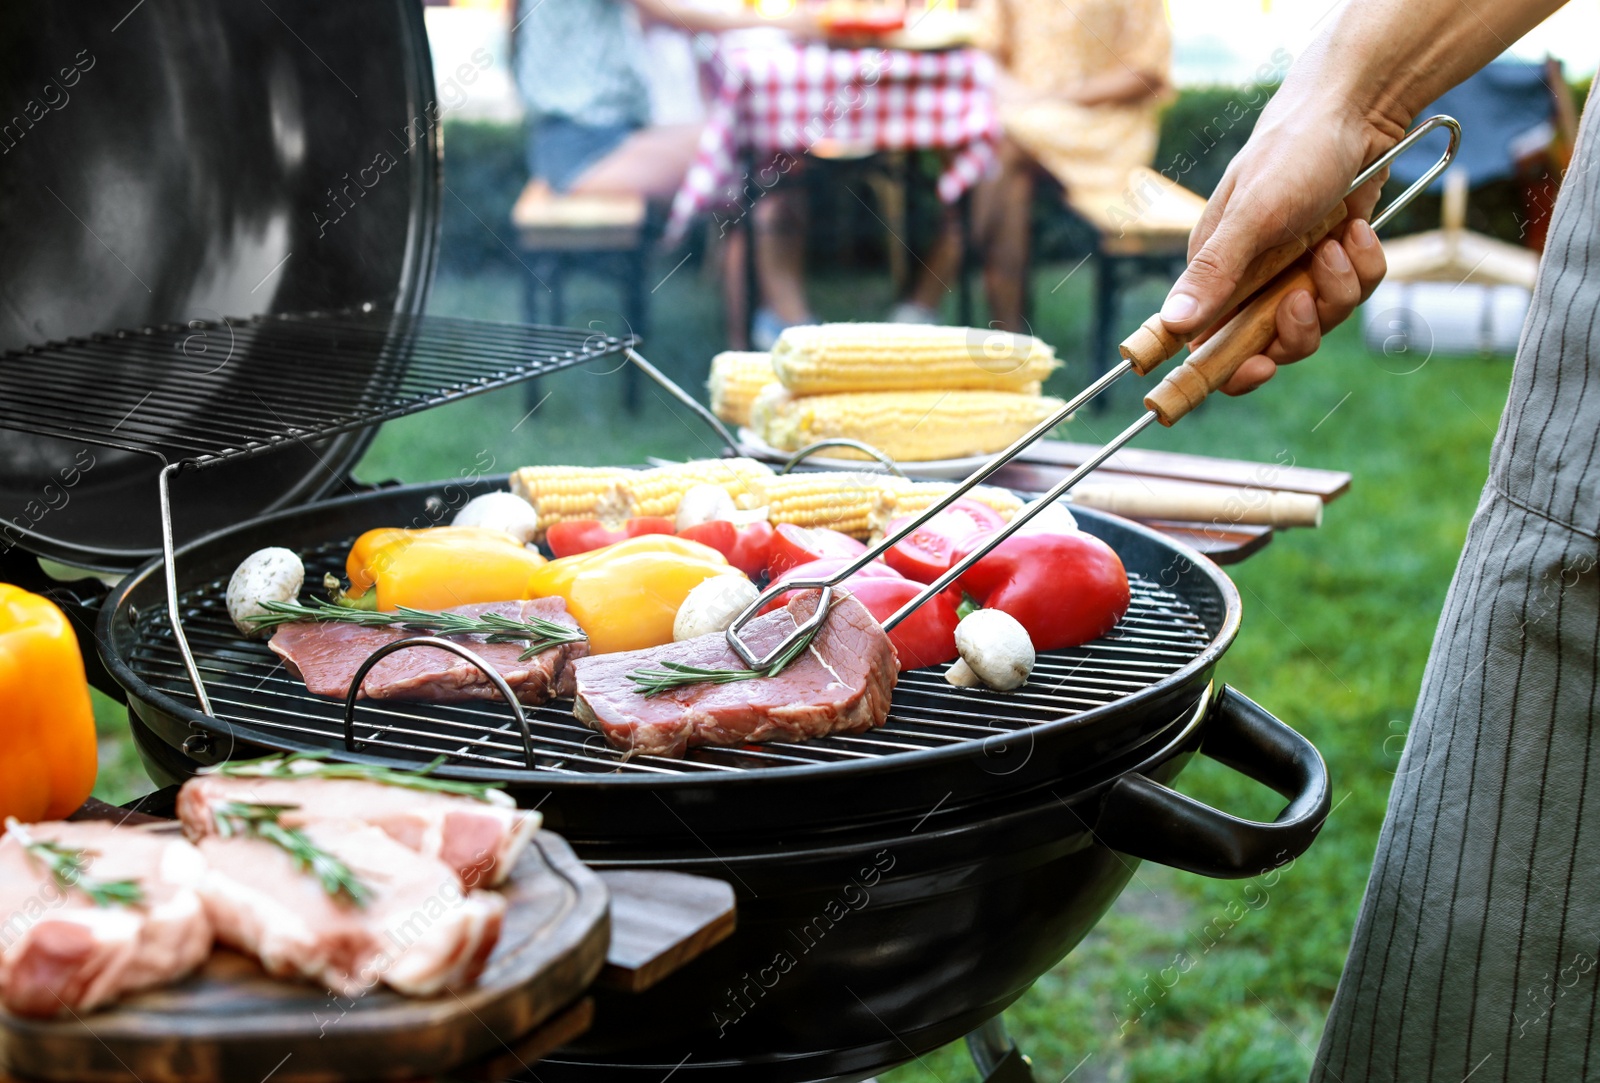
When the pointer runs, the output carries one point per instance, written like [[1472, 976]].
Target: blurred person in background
[[582, 67], [1079, 94], [1475, 953]]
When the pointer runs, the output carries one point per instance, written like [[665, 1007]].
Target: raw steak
[[418, 933], [326, 656], [480, 840], [841, 684], [60, 952]]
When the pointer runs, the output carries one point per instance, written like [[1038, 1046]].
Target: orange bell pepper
[[439, 567], [48, 756], [626, 595]]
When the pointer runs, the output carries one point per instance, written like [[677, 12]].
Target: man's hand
[[1296, 166]]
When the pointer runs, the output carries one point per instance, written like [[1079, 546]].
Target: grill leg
[[996, 1056]]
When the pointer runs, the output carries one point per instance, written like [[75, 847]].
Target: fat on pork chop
[[479, 840], [840, 684], [417, 933], [61, 952], [326, 655]]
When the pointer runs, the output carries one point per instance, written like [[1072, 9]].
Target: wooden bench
[[1140, 230], [603, 235]]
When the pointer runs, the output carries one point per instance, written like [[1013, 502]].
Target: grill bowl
[[943, 746]]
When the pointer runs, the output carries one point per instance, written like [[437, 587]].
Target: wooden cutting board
[[231, 1022]]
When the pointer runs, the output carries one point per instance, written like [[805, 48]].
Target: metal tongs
[[1272, 276]]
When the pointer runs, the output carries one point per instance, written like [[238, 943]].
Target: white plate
[[944, 469]]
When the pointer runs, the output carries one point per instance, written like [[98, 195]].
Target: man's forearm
[[1390, 58]]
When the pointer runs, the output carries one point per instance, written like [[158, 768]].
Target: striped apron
[[1477, 952]]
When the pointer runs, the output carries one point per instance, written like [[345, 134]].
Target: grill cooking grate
[[209, 392], [251, 690]]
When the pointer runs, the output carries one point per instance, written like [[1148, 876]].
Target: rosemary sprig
[[313, 765], [261, 821], [669, 675], [69, 868], [538, 633]]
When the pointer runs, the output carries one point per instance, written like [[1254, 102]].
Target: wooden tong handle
[[1219, 357], [1153, 344]]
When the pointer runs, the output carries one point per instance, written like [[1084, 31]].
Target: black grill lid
[[187, 164]]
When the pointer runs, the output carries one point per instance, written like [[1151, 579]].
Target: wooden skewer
[[1218, 504]]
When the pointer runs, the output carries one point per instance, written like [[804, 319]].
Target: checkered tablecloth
[[779, 99]]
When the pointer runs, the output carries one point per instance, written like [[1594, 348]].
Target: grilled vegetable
[[927, 552], [838, 500], [1064, 589], [824, 569], [1055, 519], [439, 567], [910, 497], [267, 575], [746, 547], [792, 545], [626, 596], [995, 649], [908, 426], [703, 504], [928, 636], [658, 491], [47, 744], [736, 377], [586, 535], [711, 606], [830, 357], [559, 493], [501, 511]]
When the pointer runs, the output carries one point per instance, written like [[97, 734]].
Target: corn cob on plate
[[834, 357], [736, 377], [908, 426]]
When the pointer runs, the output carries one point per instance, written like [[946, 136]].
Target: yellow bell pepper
[[439, 567], [626, 595], [48, 755]]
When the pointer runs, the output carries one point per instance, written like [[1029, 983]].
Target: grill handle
[[1145, 819]]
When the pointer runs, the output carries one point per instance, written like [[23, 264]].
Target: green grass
[[1336, 631]]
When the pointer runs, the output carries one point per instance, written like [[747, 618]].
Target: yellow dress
[[1049, 48]]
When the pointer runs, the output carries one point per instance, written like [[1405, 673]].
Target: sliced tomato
[[585, 535], [746, 547], [793, 545], [826, 569], [927, 552]]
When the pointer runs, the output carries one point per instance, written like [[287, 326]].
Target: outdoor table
[[776, 99]]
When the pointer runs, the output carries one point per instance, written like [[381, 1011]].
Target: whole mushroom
[[274, 574], [501, 511], [712, 605], [995, 650]]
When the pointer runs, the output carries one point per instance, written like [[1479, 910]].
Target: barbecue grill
[[914, 880]]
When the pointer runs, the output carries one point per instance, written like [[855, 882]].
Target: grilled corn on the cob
[[838, 500], [822, 358], [657, 491], [903, 498], [909, 426], [565, 492], [736, 377]]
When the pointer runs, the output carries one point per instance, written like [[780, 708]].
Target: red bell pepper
[[1064, 589], [746, 547], [793, 545], [927, 552], [583, 535]]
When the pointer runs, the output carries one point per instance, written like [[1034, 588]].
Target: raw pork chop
[[61, 952], [418, 933], [326, 656], [841, 684], [480, 840]]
